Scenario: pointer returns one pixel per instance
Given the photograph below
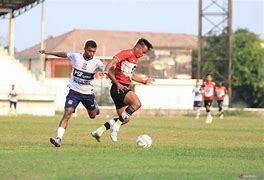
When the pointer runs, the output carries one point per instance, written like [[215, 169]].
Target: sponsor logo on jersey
[[83, 75]]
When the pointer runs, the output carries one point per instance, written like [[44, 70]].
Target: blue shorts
[[74, 98], [197, 104]]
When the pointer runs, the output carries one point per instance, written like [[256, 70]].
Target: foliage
[[247, 65]]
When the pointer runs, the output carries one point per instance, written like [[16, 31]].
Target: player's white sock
[[60, 132], [125, 115], [197, 113], [118, 123], [102, 129]]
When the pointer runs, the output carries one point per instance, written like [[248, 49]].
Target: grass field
[[183, 148]]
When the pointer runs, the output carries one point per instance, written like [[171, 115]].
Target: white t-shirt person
[[13, 95], [197, 93], [82, 76]]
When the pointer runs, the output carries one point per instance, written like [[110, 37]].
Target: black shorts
[[220, 102], [12, 103], [118, 98], [197, 103], [208, 103]]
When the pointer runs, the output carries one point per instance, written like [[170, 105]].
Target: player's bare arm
[[139, 79], [109, 71], [58, 54]]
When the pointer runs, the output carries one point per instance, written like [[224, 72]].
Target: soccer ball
[[144, 141]]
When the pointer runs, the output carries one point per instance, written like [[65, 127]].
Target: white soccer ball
[[144, 141]]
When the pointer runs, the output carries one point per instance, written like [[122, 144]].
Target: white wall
[[167, 94], [163, 94]]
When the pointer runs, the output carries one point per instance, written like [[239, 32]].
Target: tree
[[248, 68], [247, 65], [215, 61]]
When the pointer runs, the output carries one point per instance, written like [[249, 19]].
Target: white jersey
[[197, 93], [82, 76], [13, 95]]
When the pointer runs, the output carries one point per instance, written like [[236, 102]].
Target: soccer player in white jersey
[[12, 98], [198, 97], [81, 88]]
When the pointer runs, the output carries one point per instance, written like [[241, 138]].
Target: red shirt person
[[121, 71], [221, 91], [126, 65], [208, 88]]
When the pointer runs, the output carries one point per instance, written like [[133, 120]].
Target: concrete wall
[[163, 94], [40, 105], [166, 94]]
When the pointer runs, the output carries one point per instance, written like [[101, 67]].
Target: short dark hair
[[91, 44], [208, 74], [144, 42]]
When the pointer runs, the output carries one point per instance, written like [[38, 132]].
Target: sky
[[175, 16]]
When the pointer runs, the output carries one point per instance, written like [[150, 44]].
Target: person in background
[[208, 88], [197, 98], [221, 91], [12, 99]]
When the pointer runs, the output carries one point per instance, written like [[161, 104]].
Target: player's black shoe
[[55, 141]]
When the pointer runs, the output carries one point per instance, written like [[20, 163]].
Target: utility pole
[[229, 32], [215, 17], [199, 39], [41, 74]]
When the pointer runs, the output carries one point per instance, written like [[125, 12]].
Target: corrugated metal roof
[[109, 42], [17, 6]]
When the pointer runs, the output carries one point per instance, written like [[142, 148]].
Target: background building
[[171, 57]]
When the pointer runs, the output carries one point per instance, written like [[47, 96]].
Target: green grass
[[183, 148]]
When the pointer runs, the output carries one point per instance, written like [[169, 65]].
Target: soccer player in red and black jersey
[[208, 88], [221, 91], [121, 71]]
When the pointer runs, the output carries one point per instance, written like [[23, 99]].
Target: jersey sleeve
[[71, 56], [123, 55], [100, 65]]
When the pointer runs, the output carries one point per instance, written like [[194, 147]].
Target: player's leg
[[10, 107], [199, 105], [220, 108], [62, 127], [118, 99], [124, 114], [196, 107], [208, 104], [15, 107], [72, 101]]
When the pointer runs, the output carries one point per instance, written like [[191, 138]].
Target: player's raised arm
[[139, 79], [58, 54]]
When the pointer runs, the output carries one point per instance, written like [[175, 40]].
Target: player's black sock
[[116, 118], [107, 125], [127, 113], [130, 110]]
